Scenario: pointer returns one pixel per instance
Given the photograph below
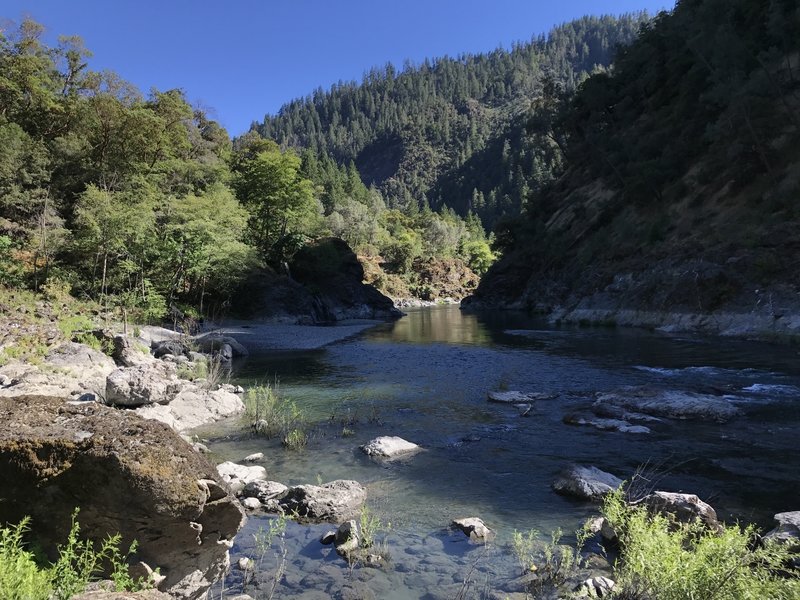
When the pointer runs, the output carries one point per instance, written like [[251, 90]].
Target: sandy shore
[[258, 337]]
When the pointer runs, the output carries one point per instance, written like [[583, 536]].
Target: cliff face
[[678, 208]]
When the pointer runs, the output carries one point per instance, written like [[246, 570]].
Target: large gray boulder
[[673, 404], [788, 529], [336, 501], [389, 446], [263, 490], [588, 483], [129, 476], [130, 387], [685, 508], [129, 352]]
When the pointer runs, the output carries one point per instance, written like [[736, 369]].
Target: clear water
[[425, 379]]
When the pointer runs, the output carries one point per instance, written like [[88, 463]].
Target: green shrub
[[20, 577], [78, 563], [668, 560]]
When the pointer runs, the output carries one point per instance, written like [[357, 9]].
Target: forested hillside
[[451, 132], [681, 188]]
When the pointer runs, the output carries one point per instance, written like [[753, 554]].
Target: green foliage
[[369, 526], [669, 560], [20, 577], [271, 415], [449, 131], [78, 563]]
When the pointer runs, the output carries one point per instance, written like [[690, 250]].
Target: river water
[[425, 378]]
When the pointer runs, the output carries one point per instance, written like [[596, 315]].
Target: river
[[425, 378]]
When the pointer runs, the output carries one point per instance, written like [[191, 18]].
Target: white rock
[[238, 476], [244, 563], [475, 528], [389, 446], [589, 483], [596, 587], [251, 503], [254, 457], [194, 406]]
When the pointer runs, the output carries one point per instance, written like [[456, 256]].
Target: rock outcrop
[[127, 475], [336, 501], [153, 383], [194, 406], [324, 283]]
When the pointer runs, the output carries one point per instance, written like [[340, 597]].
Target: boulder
[[389, 446], [328, 537], [238, 476], [216, 342], [251, 503], [335, 501], [146, 384], [788, 529], [596, 587], [587, 483], [255, 457], [518, 397], [127, 475], [605, 424], [194, 406], [685, 508], [604, 528], [347, 538], [673, 404], [263, 490], [130, 353], [170, 347], [474, 528]]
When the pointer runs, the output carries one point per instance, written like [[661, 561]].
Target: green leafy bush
[[666, 560], [78, 563]]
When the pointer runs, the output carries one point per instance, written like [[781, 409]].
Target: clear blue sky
[[243, 59]]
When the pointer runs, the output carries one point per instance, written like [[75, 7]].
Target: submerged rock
[[589, 483], [130, 476], [605, 424], [518, 397], [672, 404], [474, 528], [389, 446], [336, 501]]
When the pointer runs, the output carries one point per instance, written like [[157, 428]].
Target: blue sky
[[242, 59]]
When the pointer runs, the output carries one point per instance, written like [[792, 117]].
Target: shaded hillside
[[450, 130], [683, 176]]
